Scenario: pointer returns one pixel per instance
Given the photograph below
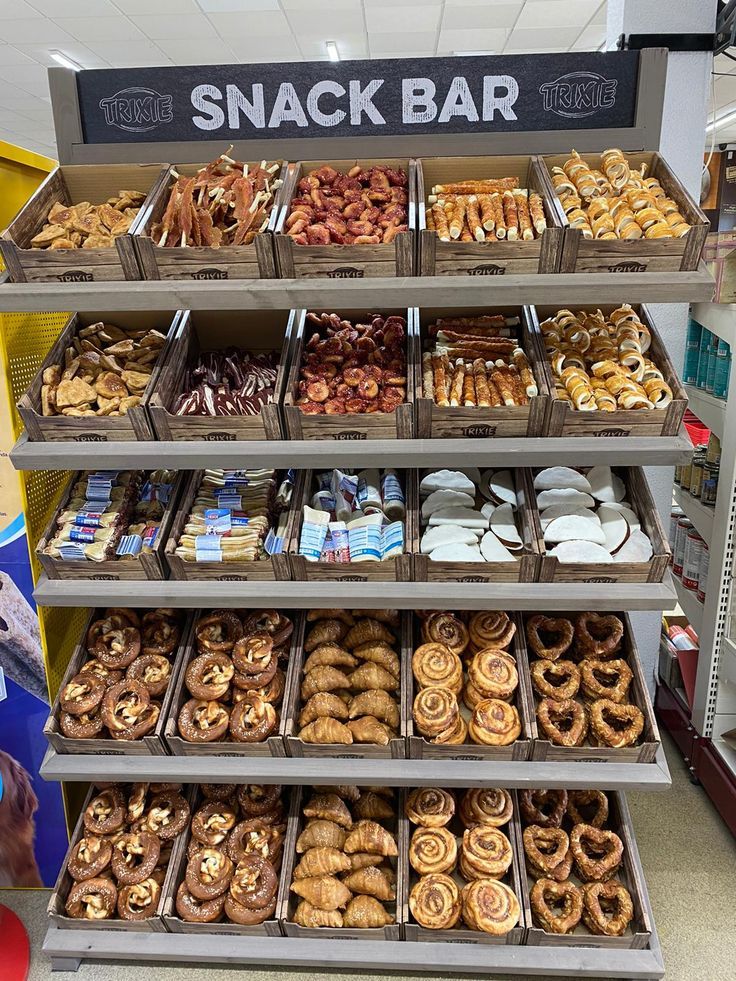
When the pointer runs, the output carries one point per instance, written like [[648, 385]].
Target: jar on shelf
[[709, 488], [685, 475], [696, 471], [713, 451]]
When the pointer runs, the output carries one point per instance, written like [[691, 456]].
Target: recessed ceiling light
[[332, 53], [65, 62]]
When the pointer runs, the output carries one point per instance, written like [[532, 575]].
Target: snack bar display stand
[[655, 277]]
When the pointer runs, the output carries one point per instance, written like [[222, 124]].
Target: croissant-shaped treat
[[370, 675], [307, 915], [322, 861], [372, 807], [327, 731], [331, 655], [329, 807], [368, 836], [345, 790], [376, 702], [325, 632], [366, 631], [369, 730], [361, 860], [364, 913], [391, 618], [345, 615], [325, 678], [323, 705], [370, 881], [322, 891], [321, 834], [380, 653]]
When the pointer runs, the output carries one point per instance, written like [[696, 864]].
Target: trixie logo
[[600, 579], [218, 437], [137, 109], [613, 432], [488, 269], [101, 578], [345, 272], [350, 434], [232, 579], [474, 579], [90, 438], [75, 276], [209, 274], [579, 94], [352, 579], [479, 432], [624, 267]]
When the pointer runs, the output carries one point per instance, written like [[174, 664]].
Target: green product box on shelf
[[705, 336], [692, 352], [710, 375], [722, 370]]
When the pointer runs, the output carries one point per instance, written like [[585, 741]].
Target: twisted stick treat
[[432, 851], [555, 679], [480, 380], [486, 806], [556, 906], [430, 807], [607, 908], [469, 397], [490, 906]]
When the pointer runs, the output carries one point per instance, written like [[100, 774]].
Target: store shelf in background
[[332, 294], [708, 409], [365, 772], [304, 454], [690, 605], [718, 318], [700, 514], [354, 595]]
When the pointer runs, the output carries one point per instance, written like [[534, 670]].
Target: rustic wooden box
[[64, 882], [134, 425], [637, 255], [630, 874], [145, 565], [272, 746], [290, 901], [644, 752], [475, 421], [398, 569], [437, 258], [526, 569], [421, 748], [395, 749], [72, 184], [349, 425], [150, 745], [640, 497], [254, 261], [271, 568], [344, 261], [461, 934], [213, 330], [563, 420], [269, 928]]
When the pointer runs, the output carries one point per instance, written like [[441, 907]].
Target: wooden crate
[[269, 928], [64, 882], [644, 752], [271, 568], [525, 570], [289, 900], [395, 749], [72, 184], [563, 420], [640, 497], [254, 261], [451, 422], [134, 425], [398, 569], [344, 261], [145, 565], [213, 330], [420, 748], [637, 255], [149, 745], [461, 934], [350, 425], [630, 874], [178, 746], [457, 258]]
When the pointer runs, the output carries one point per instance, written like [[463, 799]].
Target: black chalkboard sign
[[480, 94]]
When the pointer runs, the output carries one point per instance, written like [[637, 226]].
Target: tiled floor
[[688, 855]]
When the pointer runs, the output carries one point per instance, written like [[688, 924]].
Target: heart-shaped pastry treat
[[615, 725], [549, 637], [546, 849], [598, 635], [555, 679], [605, 679], [597, 852], [607, 908], [564, 723], [543, 807], [556, 906], [587, 807]]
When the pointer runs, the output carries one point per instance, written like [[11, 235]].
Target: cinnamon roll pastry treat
[[494, 723], [435, 902], [435, 665], [435, 711], [447, 629], [490, 628], [430, 807], [490, 906], [486, 853], [432, 850], [486, 806], [493, 674]]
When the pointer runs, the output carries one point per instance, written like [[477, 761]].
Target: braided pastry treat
[[346, 874], [236, 681], [119, 863], [117, 691]]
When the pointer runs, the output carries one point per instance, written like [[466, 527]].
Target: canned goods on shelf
[[691, 560], [709, 487], [678, 552]]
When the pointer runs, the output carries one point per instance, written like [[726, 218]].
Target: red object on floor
[[16, 952]]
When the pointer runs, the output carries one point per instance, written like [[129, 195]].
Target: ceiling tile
[[10, 55], [237, 6], [304, 24], [467, 40], [39, 30], [132, 54], [206, 51], [541, 39], [30, 78], [116, 29], [591, 38], [29, 127], [541, 13], [352, 47], [370, 4], [188, 27], [8, 117], [394, 45], [600, 15], [161, 6], [12, 10], [401, 18], [725, 90], [268, 23], [75, 8], [251, 49], [19, 99], [334, 5], [460, 17]]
